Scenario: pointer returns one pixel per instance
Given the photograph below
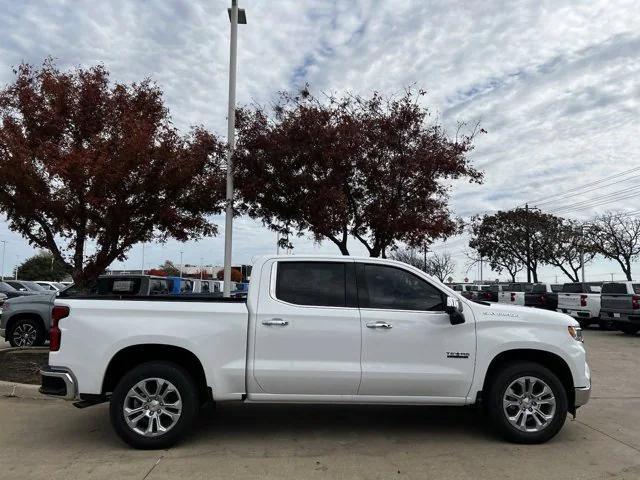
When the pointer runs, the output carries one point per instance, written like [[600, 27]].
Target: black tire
[[33, 333], [502, 380], [188, 395], [628, 328], [606, 325]]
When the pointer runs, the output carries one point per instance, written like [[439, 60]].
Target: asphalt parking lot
[[51, 439]]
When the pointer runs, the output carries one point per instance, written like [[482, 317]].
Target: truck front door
[[409, 347], [307, 338]]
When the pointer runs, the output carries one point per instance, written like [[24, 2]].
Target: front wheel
[[154, 405], [527, 403]]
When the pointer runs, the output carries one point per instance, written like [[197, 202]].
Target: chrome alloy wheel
[[529, 404], [152, 407], [24, 335]]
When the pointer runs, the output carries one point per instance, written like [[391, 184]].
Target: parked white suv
[[316, 330]]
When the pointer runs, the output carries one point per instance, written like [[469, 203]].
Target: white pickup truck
[[514, 293], [582, 302], [316, 330]]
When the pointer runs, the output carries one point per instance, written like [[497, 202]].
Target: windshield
[[32, 286], [614, 288], [5, 287]]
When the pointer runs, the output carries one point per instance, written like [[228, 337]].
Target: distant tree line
[[514, 240]]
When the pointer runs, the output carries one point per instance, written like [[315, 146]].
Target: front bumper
[[59, 382], [582, 395]]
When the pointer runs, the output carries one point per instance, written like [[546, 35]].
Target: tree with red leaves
[[370, 168], [90, 163]]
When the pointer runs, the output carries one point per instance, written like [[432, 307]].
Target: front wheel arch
[[553, 362]]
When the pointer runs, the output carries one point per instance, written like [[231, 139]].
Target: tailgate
[[616, 301], [569, 300]]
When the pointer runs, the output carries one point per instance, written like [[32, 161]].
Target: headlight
[[575, 332]]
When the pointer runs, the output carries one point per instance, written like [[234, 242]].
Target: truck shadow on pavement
[[353, 424]]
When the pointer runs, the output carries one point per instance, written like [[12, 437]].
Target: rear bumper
[[620, 317], [59, 382]]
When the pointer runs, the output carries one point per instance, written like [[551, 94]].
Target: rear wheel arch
[[130, 357], [553, 362]]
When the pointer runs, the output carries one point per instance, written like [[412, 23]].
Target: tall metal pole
[[4, 246], [181, 264], [231, 125], [582, 251], [142, 258], [528, 243]]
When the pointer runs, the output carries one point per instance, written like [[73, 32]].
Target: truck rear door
[[307, 337]]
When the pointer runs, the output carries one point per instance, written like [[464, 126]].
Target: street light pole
[[235, 16], [181, 264], [4, 246]]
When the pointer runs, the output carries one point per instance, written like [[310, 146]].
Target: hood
[[516, 313]]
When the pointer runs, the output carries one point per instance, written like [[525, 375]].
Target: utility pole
[[582, 251], [142, 258], [528, 234], [201, 267], [424, 260], [181, 263], [17, 265], [481, 269], [235, 16], [4, 246]]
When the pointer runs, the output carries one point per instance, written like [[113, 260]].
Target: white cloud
[[555, 83]]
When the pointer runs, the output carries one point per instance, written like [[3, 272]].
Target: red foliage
[[157, 272], [236, 275], [83, 159], [371, 168]]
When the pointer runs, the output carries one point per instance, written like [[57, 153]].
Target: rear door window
[[572, 288], [556, 288], [636, 287], [312, 283]]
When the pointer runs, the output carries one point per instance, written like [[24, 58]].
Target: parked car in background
[[543, 295], [316, 330], [26, 286], [490, 293], [513, 293], [25, 320], [463, 289], [132, 285], [620, 305], [54, 286], [582, 302], [9, 292]]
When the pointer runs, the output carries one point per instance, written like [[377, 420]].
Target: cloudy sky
[[555, 83]]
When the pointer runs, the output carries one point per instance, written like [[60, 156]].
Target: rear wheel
[[26, 332], [154, 405], [527, 403], [629, 328]]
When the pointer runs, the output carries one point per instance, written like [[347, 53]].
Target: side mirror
[[454, 309]]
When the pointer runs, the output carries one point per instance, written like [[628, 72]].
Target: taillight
[[583, 300], [58, 312], [543, 299], [635, 302], [513, 296]]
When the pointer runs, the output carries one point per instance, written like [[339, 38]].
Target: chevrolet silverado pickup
[[316, 330], [543, 295], [514, 293], [582, 302], [620, 305]]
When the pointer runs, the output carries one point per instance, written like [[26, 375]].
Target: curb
[[22, 390]]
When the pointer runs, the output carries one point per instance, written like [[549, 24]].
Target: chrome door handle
[[276, 321], [379, 325]]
